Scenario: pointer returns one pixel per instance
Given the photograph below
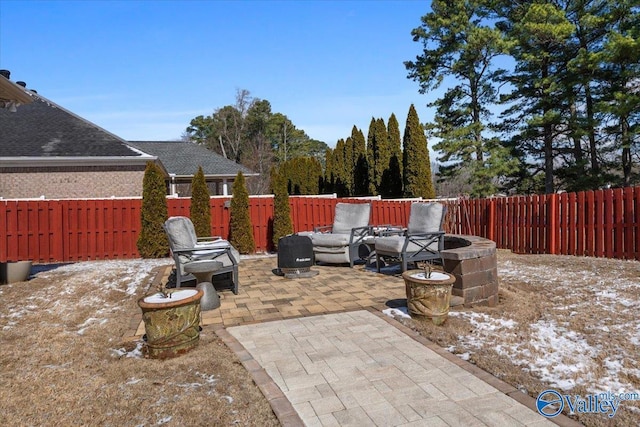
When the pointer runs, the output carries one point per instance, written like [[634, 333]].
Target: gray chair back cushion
[[350, 215], [181, 233], [425, 217]]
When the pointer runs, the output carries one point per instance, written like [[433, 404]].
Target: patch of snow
[[164, 420], [88, 322], [102, 277], [484, 321], [402, 312], [208, 378], [136, 352], [63, 366]]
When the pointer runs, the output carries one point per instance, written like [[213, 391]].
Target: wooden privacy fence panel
[[602, 223], [30, 230], [100, 229]]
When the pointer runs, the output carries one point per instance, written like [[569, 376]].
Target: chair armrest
[[425, 235], [322, 229], [359, 233], [361, 230], [392, 230], [425, 239], [201, 248], [209, 239]]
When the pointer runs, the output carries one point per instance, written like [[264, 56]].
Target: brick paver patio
[[324, 355]]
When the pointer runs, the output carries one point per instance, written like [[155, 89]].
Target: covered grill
[[295, 256]]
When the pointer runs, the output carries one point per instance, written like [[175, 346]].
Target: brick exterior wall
[[71, 184]]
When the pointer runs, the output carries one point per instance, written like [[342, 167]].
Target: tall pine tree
[[457, 43], [540, 32]]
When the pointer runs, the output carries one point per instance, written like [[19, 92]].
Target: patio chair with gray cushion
[[422, 241], [186, 247], [339, 243]]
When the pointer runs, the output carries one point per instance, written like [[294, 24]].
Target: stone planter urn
[[171, 322], [11, 272], [428, 294]]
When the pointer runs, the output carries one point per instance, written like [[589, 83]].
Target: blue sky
[[144, 69]]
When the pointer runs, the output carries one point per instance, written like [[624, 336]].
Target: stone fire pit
[[474, 263]]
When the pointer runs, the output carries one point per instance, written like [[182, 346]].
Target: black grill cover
[[295, 253]]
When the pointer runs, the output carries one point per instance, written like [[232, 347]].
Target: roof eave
[[21, 162], [213, 175]]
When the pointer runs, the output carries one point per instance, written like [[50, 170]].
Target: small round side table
[[203, 270]]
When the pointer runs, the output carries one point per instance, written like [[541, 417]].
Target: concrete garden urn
[[171, 322], [428, 294], [14, 271]]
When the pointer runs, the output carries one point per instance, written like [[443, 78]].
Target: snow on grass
[[401, 312], [485, 328], [135, 352], [96, 279], [583, 335]]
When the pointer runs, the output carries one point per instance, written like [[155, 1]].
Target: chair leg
[[353, 253], [234, 277]]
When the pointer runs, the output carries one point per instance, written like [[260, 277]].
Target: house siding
[[71, 184]]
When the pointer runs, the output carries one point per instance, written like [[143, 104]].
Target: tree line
[[383, 164], [250, 133], [564, 116], [269, 143]]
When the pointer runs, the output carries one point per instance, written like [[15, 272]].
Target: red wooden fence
[[603, 223]]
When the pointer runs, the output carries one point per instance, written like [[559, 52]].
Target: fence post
[[491, 226], [552, 224]]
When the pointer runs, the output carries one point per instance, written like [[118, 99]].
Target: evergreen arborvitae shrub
[[416, 163], [152, 242], [200, 210], [392, 177], [282, 224], [241, 230]]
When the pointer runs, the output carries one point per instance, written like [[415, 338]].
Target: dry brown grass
[[62, 360], [63, 363]]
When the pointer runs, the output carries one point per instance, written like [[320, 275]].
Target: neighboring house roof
[[44, 134], [182, 159]]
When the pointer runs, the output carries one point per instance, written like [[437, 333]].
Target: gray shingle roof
[[183, 158], [44, 129]]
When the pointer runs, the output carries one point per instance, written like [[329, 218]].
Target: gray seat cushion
[[330, 239]]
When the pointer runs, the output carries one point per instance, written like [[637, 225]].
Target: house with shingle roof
[[49, 152], [181, 160]]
